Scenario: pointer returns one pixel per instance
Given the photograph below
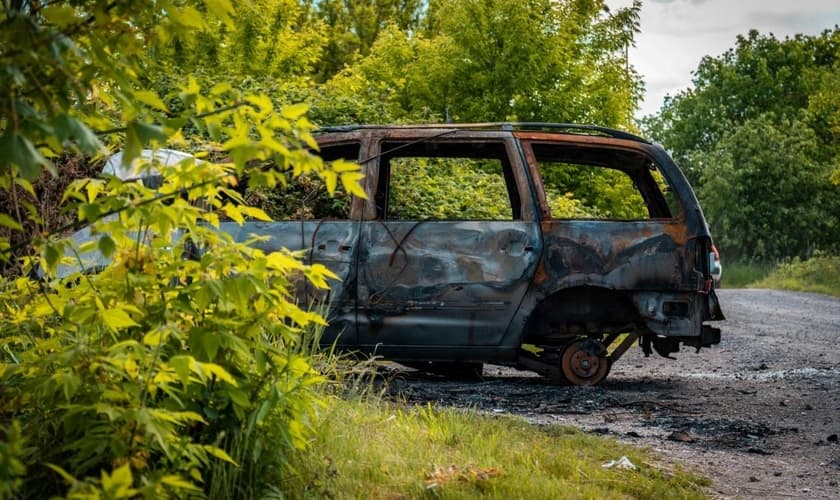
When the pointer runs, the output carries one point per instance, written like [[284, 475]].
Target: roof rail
[[570, 128]]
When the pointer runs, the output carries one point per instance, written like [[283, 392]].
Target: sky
[[676, 34]]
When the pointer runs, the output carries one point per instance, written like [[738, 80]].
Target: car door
[[453, 246]]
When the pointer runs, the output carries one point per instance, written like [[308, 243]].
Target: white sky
[[676, 34]]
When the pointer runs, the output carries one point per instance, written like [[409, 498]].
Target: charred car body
[[460, 292], [563, 295]]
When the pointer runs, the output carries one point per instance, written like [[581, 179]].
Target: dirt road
[[758, 414]]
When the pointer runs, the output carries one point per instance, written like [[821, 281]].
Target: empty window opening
[[602, 183], [446, 181]]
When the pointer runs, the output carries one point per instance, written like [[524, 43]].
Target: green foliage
[[12, 454], [432, 188], [767, 193], [820, 274], [791, 79], [151, 367], [742, 274], [260, 42], [353, 26], [305, 197], [493, 61], [592, 192], [139, 377]]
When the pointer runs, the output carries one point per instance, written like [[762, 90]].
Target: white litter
[[621, 463]]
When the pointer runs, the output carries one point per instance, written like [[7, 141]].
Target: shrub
[[820, 273], [143, 377]]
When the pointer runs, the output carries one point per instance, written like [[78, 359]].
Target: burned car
[[524, 275], [561, 294]]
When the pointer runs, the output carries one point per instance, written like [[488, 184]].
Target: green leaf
[[218, 453], [255, 213], [63, 473], [331, 180], [52, 254], [18, 151], [179, 483], [107, 246], [205, 343], [117, 319], [27, 186], [138, 134], [188, 17], [148, 132], [7, 221], [118, 485], [219, 372], [151, 99], [294, 111], [262, 102], [222, 10], [220, 88], [89, 212], [60, 15], [182, 366], [68, 128], [350, 181]]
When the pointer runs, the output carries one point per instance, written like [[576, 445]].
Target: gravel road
[[759, 414]]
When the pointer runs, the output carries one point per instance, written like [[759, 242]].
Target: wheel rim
[[585, 362]]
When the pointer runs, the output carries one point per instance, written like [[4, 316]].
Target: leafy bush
[[450, 188], [141, 378], [820, 273]]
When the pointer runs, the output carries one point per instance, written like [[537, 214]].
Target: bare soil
[[759, 414]]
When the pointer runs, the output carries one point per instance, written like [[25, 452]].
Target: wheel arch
[[580, 310]]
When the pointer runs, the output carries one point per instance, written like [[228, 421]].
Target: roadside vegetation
[[819, 274], [377, 449], [744, 274], [172, 371]]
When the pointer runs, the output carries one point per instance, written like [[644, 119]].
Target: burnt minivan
[[535, 281]]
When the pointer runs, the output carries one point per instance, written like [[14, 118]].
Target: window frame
[[654, 198], [392, 148]]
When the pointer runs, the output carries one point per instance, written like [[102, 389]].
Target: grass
[[366, 448], [819, 274], [744, 274]]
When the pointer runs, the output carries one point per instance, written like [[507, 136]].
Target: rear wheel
[[584, 362]]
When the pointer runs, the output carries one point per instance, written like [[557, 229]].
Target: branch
[[217, 111]]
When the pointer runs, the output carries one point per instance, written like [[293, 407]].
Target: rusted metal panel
[[625, 255], [443, 282]]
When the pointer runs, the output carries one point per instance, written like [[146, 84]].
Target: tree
[[761, 74], [542, 61], [767, 193], [758, 133], [353, 26], [496, 61]]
